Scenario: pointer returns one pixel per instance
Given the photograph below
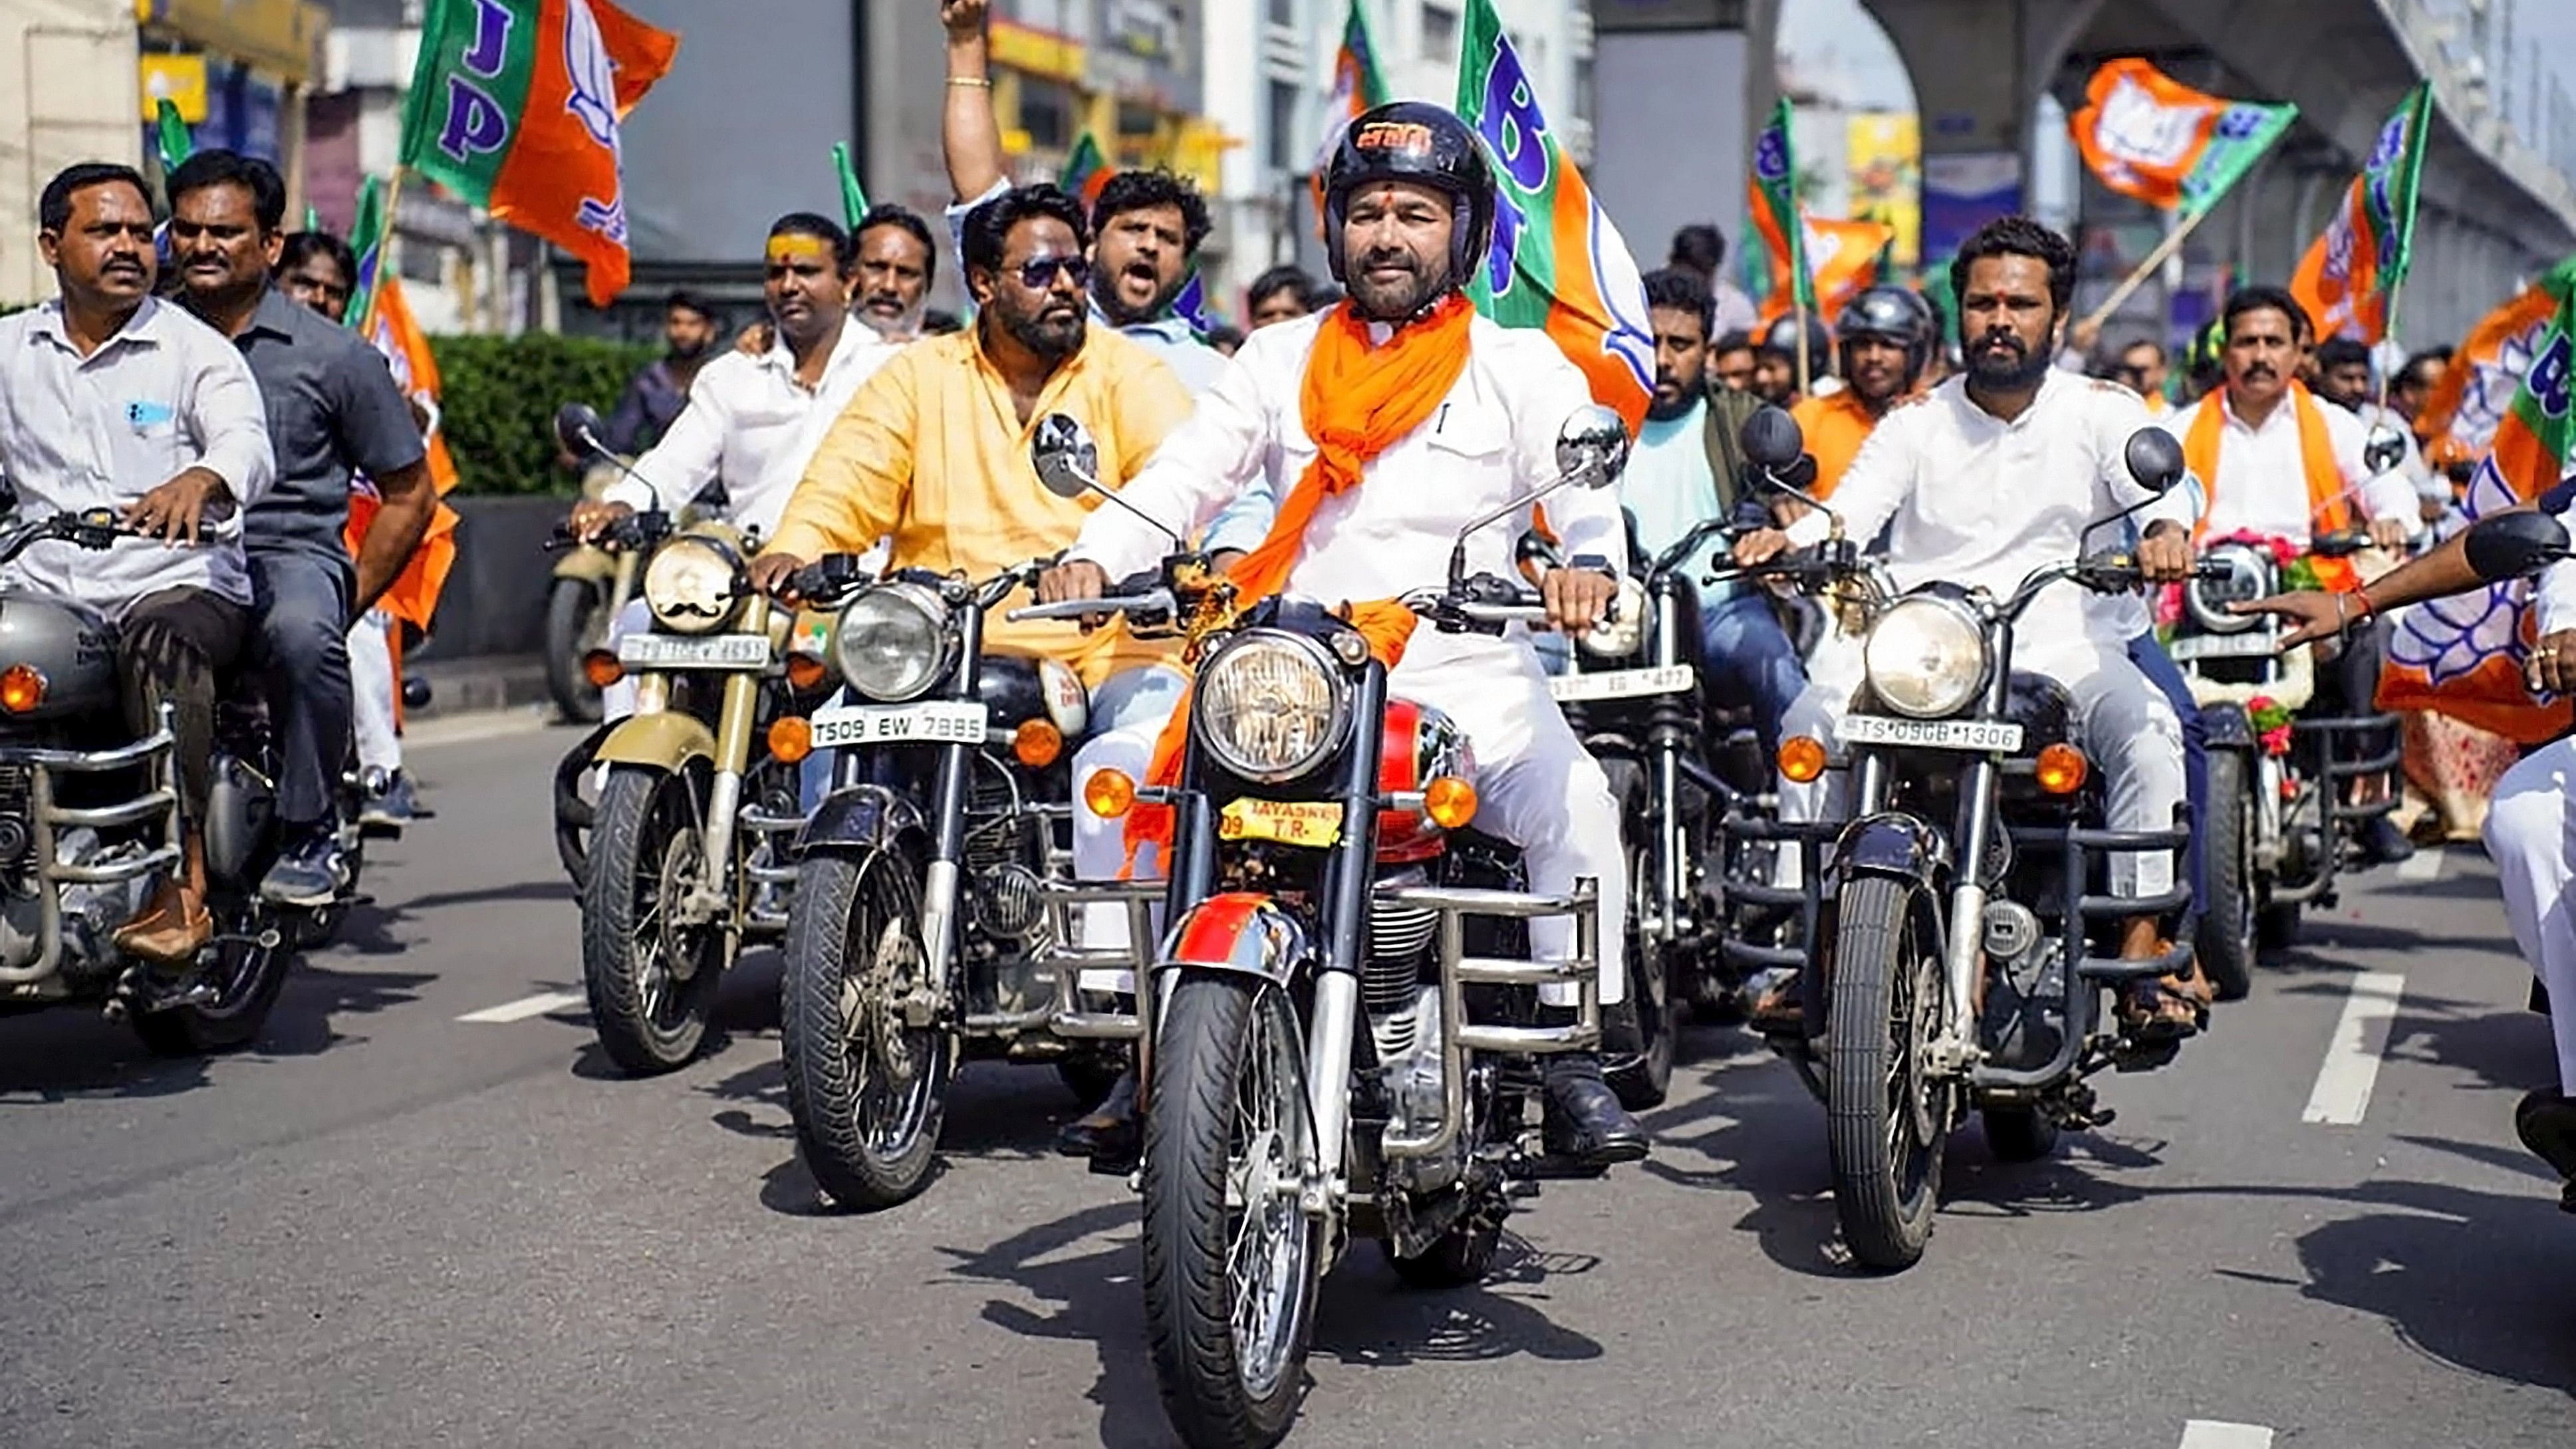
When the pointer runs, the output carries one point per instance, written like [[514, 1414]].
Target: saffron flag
[[1358, 86], [854, 197], [1777, 213], [413, 597], [515, 106], [2469, 401], [1842, 261], [1086, 170], [1557, 262], [2464, 656], [2349, 274], [2151, 137]]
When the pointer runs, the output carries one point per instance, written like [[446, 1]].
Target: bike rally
[[1514, 746]]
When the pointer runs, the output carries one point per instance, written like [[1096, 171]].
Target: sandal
[[2169, 1008]]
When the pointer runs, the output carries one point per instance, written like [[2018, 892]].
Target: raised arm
[[968, 133]]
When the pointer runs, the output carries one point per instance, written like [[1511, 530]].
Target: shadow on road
[[996, 1113], [370, 928]]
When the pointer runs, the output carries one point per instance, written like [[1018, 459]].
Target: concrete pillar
[[1665, 80]]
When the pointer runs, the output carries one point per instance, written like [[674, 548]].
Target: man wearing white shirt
[[111, 399], [1992, 476], [2343, 378]]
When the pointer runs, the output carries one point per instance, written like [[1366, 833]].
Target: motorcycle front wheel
[[576, 623], [867, 1091], [1886, 1119], [1641, 1070], [651, 978], [1231, 1259], [2228, 913], [247, 966]]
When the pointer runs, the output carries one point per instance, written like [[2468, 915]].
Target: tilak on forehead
[[798, 247]]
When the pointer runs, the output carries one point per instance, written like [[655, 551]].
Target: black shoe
[[1108, 1134], [1584, 1119], [2546, 1123], [2382, 843]]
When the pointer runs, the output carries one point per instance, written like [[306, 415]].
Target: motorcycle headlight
[[2249, 576], [1926, 658], [892, 642], [1269, 707], [693, 585], [1622, 634]]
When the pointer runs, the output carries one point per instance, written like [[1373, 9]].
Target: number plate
[[1315, 823], [2221, 646], [939, 722], [1932, 734], [678, 651], [1621, 683]]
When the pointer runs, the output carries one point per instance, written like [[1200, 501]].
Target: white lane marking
[[2219, 1434], [2351, 1067], [464, 729], [2425, 864], [528, 1006]]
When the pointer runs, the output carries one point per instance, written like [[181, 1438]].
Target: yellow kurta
[[931, 453]]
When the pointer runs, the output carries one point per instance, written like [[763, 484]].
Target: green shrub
[[498, 397]]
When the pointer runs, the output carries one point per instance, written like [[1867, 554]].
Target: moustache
[[2262, 370], [2002, 339], [1391, 260]]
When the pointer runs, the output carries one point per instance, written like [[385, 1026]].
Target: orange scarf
[[2326, 514], [1357, 401]]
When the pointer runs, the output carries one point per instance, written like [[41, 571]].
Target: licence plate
[[937, 722], [2221, 646], [1314, 823], [1620, 683], [677, 651], [1932, 734]]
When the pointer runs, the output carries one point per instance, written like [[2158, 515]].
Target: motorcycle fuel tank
[[70, 645]]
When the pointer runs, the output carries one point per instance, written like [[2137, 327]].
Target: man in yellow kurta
[[933, 452]]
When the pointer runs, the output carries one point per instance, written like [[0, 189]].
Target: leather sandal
[[2169, 1008], [171, 930]]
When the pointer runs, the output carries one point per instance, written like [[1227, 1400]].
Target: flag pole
[[1805, 376], [384, 248], [2396, 289], [2138, 275]]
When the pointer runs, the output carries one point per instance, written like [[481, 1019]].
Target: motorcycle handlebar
[[1156, 601]]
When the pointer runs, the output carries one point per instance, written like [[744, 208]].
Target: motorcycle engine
[[91, 913], [2026, 990], [1399, 950]]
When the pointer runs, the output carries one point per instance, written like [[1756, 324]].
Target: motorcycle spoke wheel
[[1887, 1116], [650, 976], [866, 1090], [247, 975]]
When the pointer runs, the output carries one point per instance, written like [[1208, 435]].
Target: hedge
[[498, 397]]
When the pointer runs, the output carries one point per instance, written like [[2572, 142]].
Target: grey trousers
[[302, 646]]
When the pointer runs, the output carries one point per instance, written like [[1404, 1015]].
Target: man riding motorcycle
[[1381, 426], [1885, 337], [2276, 463], [111, 399], [333, 411], [1994, 475]]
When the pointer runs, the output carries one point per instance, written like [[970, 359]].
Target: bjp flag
[[2149, 136], [515, 105], [1842, 260], [392, 331], [2349, 273], [2470, 399]]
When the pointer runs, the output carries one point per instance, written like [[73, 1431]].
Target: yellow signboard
[[178, 79], [276, 36], [1885, 151], [1033, 51]]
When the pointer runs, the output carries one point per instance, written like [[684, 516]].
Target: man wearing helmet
[[1886, 337], [1382, 425], [1775, 361]]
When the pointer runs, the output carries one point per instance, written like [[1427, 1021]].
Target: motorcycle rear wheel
[[1886, 1121], [248, 978], [1231, 1259], [866, 1092], [576, 623], [2228, 917], [651, 983]]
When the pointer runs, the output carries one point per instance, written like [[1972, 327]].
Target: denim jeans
[[2149, 655], [1753, 660]]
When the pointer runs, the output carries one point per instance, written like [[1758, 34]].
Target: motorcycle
[[90, 826], [1343, 993], [921, 933], [2280, 822], [1961, 966], [593, 580]]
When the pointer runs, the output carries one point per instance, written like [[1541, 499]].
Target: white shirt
[[2262, 482], [1492, 440], [752, 424], [1971, 499], [165, 394]]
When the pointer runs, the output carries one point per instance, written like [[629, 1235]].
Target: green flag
[[367, 241], [1086, 170], [171, 133], [1775, 207], [854, 197]]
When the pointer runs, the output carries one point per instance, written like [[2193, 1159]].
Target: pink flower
[[2276, 741], [2169, 604]]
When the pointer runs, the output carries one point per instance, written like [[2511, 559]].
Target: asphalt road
[[386, 1226]]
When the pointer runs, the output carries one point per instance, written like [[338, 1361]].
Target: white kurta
[[2531, 837]]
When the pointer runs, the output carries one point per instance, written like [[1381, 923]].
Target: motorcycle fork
[[1956, 1051], [735, 719], [1349, 876], [943, 882]]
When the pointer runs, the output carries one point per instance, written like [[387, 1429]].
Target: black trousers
[[172, 649]]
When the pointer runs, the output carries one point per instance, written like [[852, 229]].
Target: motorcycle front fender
[[1239, 933], [588, 564], [1896, 846], [667, 740], [863, 817], [2226, 727]]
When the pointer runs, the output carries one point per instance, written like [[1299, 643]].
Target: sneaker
[[392, 807], [307, 876], [2382, 843]]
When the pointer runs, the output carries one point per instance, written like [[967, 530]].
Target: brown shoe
[[172, 929], [2168, 1009]]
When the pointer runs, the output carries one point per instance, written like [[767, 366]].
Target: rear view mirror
[[1772, 438], [2515, 545], [577, 428], [1067, 460], [1592, 447], [2155, 460], [2385, 450]]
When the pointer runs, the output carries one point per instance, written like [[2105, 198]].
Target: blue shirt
[[1669, 489]]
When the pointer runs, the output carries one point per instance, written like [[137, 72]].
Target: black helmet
[[1419, 142], [1894, 315], [1782, 337]]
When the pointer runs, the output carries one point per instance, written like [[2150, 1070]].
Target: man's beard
[[2017, 369], [1104, 295], [1399, 301], [691, 352], [1053, 338], [1684, 399]]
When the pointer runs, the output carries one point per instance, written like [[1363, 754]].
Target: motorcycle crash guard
[[2225, 727], [863, 817], [1239, 933], [1897, 846], [664, 740]]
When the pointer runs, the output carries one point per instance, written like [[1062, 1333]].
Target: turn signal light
[[601, 668], [22, 688], [1109, 794], [806, 672], [1802, 759], [791, 739], [2061, 769], [1449, 801], [1037, 743]]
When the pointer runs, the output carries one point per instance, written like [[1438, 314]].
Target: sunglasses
[[1039, 273]]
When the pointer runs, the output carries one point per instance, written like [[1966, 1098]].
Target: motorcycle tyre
[[1644, 1078], [191, 1031], [2230, 922], [1886, 1206], [609, 910], [569, 607]]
